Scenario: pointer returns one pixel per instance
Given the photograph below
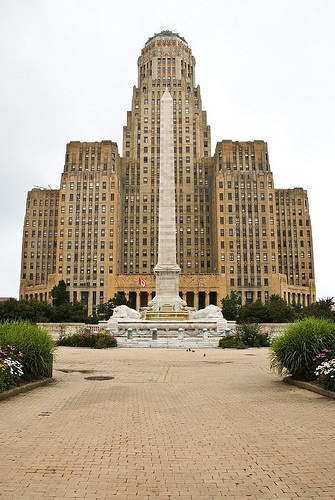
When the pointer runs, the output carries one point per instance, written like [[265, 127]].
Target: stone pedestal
[[167, 298]]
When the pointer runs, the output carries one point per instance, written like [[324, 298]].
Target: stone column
[[167, 202], [167, 270], [196, 301]]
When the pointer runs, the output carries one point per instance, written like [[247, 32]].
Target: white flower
[[326, 368], [15, 367]]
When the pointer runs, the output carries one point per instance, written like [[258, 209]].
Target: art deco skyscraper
[[234, 230], [167, 61]]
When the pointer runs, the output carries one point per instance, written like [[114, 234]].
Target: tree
[[30, 310], [105, 310], [42, 312], [280, 311], [70, 313], [254, 312], [230, 306], [322, 309], [59, 294]]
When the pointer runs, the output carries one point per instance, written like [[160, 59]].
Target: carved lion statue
[[125, 312], [210, 311]]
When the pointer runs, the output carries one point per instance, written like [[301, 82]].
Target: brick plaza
[[167, 424]]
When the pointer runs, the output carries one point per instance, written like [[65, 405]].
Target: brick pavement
[[171, 425]]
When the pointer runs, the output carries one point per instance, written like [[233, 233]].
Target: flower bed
[[86, 338], [11, 367], [26, 353], [325, 372]]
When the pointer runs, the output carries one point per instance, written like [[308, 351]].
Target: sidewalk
[[166, 424]]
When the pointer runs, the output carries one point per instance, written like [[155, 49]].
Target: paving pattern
[[166, 424]]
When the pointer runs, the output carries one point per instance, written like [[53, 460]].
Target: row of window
[[38, 255], [86, 185], [69, 257], [74, 270], [90, 220], [289, 201], [154, 150], [92, 167], [153, 241], [153, 180], [246, 282], [45, 202], [40, 234], [189, 264], [86, 244], [240, 154], [38, 279], [40, 223], [45, 213], [245, 196], [89, 209], [153, 131], [95, 257]]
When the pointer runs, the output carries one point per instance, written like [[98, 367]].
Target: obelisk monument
[[167, 270]]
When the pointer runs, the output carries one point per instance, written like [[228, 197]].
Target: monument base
[[167, 297], [166, 315], [203, 326]]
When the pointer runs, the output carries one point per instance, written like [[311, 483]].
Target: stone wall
[[56, 329]]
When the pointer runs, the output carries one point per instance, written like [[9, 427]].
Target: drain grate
[[99, 377]]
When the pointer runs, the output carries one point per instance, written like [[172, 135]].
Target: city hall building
[[235, 231]]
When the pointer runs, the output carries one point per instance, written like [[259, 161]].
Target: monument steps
[[172, 343]]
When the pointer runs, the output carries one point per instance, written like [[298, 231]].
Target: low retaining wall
[[57, 329]]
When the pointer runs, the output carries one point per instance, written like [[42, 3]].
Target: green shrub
[[36, 345], [247, 335], [251, 336], [295, 351], [230, 342], [85, 338]]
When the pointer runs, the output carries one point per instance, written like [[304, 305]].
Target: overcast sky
[[266, 69]]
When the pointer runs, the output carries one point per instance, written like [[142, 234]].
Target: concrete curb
[[309, 387], [24, 388]]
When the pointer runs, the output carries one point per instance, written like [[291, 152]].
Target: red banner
[[141, 282]]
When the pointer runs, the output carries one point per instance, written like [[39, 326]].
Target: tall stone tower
[[166, 62]]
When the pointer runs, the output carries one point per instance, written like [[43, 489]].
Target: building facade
[[235, 231]]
